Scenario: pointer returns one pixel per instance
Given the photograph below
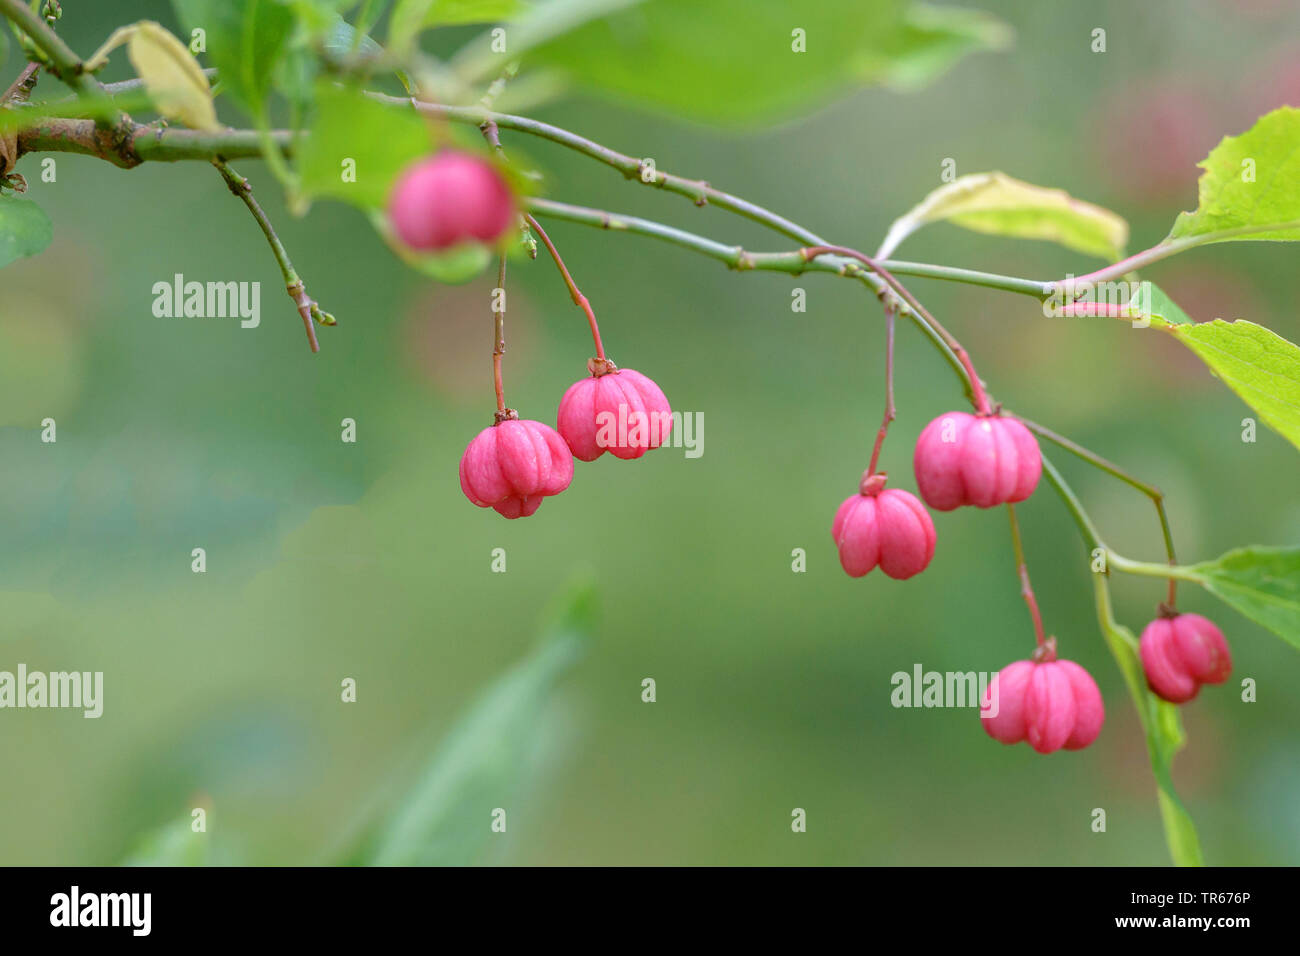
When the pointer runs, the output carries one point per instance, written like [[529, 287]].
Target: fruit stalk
[[889, 388], [978, 398], [579, 299], [1022, 569], [499, 339]]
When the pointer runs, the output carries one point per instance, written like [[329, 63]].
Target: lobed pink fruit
[[1181, 653], [981, 460], [619, 411], [513, 465], [450, 198], [889, 529], [1051, 703]]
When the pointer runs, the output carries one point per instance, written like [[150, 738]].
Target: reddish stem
[[1026, 589], [889, 388], [499, 343], [578, 298], [978, 398]]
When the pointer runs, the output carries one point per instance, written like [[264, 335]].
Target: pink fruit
[[617, 410], [981, 460], [889, 528], [1182, 652], [513, 465], [450, 198], [1051, 703]]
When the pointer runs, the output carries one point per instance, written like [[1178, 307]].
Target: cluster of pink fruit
[[961, 459], [986, 460], [512, 465]]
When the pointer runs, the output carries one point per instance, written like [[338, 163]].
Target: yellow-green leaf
[[1262, 583], [1256, 363], [172, 76], [997, 204], [1251, 185]]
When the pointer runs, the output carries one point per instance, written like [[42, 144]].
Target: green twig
[[307, 307], [1151, 491]]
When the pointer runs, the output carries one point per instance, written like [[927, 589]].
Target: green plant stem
[[307, 307], [1150, 570], [1180, 833], [142, 143], [701, 193], [1151, 491], [61, 60], [1167, 248], [975, 387], [129, 144], [1072, 504], [736, 257]]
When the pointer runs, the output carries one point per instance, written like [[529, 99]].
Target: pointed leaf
[[174, 844], [933, 38], [1261, 583], [1251, 185], [446, 818], [747, 62], [1258, 364], [172, 76], [996, 204], [24, 229]]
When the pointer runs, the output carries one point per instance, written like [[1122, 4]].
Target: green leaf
[[537, 25], [741, 61], [446, 818], [245, 40], [994, 203], [174, 844], [933, 38], [1164, 731], [1258, 364], [380, 141], [454, 266], [342, 40], [172, 76], [1261, 583], [1251, 185], [24, 229], [1164, 308], [410, 17]]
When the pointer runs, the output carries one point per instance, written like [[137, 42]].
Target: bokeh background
[[329, 560]]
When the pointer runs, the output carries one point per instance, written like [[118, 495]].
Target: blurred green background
[[329, 560]]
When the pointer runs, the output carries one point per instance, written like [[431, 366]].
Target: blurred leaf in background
[[489, 756], [748, 62]]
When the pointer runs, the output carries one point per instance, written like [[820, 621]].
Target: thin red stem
[[1026, 589], [889, 388], [499, 342], [579, 299], [978, 398]]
